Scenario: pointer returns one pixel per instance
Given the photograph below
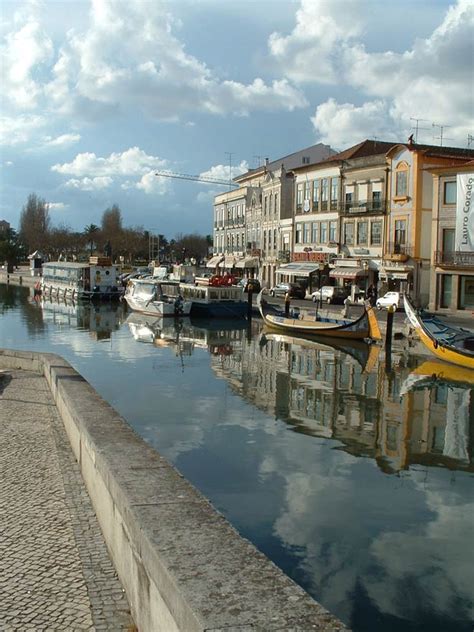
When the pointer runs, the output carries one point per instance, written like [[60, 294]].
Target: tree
[[112, 227], [12, 251], [91, 233], [35, 223]]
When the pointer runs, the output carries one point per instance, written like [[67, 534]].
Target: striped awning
[[247, 262], [347, 273], [229, 262]]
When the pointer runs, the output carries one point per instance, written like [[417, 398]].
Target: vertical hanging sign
[[464, 241]]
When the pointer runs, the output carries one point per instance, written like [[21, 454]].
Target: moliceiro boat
[[71, 280], [156, 298], [312, 324], [451, 344]]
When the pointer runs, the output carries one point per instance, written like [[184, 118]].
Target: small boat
[[448, 343], [313, 324], [71, 280], [210, 301], [156, 298]]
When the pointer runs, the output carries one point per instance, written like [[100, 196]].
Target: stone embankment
[[182, 565]]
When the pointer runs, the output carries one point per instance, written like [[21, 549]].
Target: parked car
[[330, 294], [292, 289], [250, 283], [390, 299]]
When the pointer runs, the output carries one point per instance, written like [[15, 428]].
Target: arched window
[[401, 180]]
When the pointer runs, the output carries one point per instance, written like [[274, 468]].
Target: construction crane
[[186, 176]]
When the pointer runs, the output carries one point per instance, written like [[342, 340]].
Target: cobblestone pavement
[[55, 572]]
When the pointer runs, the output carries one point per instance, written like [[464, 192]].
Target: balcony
[[398, 252], [452, 259], [365, 207]]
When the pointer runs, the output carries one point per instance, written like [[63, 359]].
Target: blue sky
[[96, 96]]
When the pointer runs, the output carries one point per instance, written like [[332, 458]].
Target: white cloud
[[133, 161], [149, 183], [18, 130], [23, 52], [62, 141], [224, 172], [89, 184], [57, 206], [432, 79], [343, 125]]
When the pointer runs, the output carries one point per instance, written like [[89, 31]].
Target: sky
[[96, 96]]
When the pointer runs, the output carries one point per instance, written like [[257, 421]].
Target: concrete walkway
[[55, 572]]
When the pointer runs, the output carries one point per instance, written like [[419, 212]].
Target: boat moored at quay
[[156, 298], [77, 281], [211, 301]]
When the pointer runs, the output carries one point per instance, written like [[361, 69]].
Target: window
[[349, 233], [334, 193], [274, 238], [376, 200], [316, 195], [307, 191], [306, 232], [349, 199], [362, 228], [315, 232], [449, 193], [376, 233], [299, 233], [276, 203], [446, 290], [401, 180], [466, 292], [448, 240], [400, 232], [324, 232], [324, 194], [265, 205], [332, 231], [305, 160], [299, 197]]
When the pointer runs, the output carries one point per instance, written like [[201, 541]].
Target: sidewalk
[[55, 572]]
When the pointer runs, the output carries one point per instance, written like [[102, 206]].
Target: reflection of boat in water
[[308, 323], [365, 354], [101, 319], [433, 373], [212, 335], [156, 298], [452, 344]]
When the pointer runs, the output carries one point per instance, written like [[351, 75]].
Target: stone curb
[[183, 566]]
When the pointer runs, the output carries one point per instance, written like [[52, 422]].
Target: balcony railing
[[456, 259], [358, 207], [398, 252]]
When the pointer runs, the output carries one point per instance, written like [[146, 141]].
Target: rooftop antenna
[[258, 160], [441, 133], [230, 154], [470, 140], [417, 127]]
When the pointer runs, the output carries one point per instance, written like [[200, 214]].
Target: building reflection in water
[[346, 394]]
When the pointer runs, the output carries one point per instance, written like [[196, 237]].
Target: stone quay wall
[[182, 565]]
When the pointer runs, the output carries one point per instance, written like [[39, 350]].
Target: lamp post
[[321, 267]]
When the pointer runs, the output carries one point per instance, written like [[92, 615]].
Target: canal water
[[354, 476]]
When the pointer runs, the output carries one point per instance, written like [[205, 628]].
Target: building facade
[[452, 262]]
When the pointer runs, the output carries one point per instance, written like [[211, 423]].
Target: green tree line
[[36, 232]]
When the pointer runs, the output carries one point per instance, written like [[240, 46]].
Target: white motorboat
[[156, 298]]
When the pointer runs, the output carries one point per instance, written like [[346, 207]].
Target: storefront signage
[[464, 241]]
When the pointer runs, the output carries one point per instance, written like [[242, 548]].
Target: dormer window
[[305, 160]]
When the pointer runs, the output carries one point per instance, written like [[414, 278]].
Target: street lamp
[[321, 267]]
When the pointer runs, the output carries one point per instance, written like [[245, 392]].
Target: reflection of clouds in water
[[436, 551], [338, 519]]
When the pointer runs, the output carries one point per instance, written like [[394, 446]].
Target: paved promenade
[[55, 572]]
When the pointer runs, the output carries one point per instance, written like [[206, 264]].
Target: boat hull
[[364, 327], [160, 309], [443, 351], [221, 309]]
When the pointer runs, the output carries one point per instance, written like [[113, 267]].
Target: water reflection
[[354, 477], [344, 393]]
